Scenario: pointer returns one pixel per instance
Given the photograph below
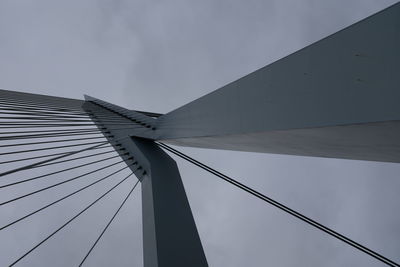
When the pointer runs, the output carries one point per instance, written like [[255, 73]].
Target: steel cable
[[69, 221], [49, 160], [60, 199], [288, 210], [57, 184], [56, 172], [47, 155], [108, 224]]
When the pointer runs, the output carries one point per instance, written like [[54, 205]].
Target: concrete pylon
[[170, 236]]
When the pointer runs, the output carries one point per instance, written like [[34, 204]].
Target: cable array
[[49, 142], [108, 224], [70, 220]]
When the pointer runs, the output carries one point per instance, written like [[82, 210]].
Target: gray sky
[[157, 56]]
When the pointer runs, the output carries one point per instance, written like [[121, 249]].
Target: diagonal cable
[[46, 156], [69, 221], [74, 167], [36, 105], [48, 148], [82, 157], [108, 224], [12, 110], [30, 166], [77, 130], [39, 119], [57, 184], [48, 135], [280, 206], [64, 197], [19, 112], [56, 172], [53, 141]]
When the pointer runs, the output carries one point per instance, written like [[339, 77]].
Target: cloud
[[156, 56]]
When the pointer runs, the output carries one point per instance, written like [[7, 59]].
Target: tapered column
[[170, 237]]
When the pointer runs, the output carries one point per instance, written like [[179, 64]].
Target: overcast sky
[[157, 56]]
